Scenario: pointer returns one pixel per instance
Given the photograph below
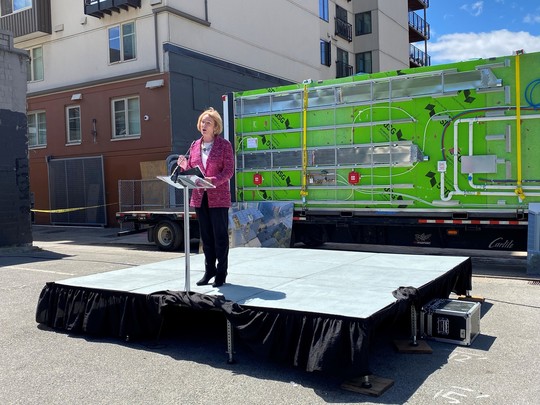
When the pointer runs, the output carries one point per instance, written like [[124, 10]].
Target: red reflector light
[[354, 177], [257, 179]]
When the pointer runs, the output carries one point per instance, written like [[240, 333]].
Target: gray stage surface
[[346, 284]]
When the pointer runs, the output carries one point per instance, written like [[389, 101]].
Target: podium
[[186, 182]]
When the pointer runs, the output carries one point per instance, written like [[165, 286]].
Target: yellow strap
[[519, 189], [303, 191]]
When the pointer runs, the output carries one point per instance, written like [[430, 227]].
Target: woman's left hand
[[182, 162]]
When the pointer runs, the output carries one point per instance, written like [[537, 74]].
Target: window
[[341, 13], [363, 62], [323, 10], [362, 23], [11, 6], [127, 117], [34, 71], [343, 68], [326, 57], [37, 129], [73, 118], [21, 4], [343, 28], [122, 46]]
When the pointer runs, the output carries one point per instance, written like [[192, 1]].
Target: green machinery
[[444, 153]]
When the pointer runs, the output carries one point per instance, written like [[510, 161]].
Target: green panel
[[408, 134]]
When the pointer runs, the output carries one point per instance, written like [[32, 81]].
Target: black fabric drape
[[98, 312], [314, 342]]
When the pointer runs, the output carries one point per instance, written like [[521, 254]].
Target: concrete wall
[[15, 220]]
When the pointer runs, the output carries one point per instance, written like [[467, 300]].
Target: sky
[[471, 29]]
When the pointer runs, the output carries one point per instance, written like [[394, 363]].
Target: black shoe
[[220, 280], [206, 279]]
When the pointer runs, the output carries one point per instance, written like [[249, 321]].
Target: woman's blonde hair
[[218, 122]]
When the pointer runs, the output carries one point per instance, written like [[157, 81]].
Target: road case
[[451, 321]]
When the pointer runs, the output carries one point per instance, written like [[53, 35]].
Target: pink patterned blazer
[[219, 169]]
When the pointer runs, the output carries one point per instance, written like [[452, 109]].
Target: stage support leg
[[368, 385], [230, 343], [413, 345], [414, 324]]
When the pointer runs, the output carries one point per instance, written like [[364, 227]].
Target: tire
[[168, 236]]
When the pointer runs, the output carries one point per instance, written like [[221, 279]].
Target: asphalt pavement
[[189, 365]]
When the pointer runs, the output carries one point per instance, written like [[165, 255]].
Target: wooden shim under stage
[[379, 385]]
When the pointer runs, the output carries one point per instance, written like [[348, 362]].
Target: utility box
[[451, 321], [533, 240]]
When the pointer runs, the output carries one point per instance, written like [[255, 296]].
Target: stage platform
[[315, 309]]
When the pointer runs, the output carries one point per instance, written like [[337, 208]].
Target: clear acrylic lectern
[[186, 183]]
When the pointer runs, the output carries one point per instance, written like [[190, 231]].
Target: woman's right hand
[[182, 162]]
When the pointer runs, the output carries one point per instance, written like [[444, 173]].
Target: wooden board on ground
[[472, 298], [379, 385], [405, 346]]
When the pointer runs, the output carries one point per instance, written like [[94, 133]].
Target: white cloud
[[464, 46], [475, 8]]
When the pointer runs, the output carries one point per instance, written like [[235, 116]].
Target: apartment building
[[115, 86]]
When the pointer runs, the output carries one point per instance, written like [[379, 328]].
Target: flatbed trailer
[[151, 206]]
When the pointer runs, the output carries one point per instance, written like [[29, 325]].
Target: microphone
[[174, 175]]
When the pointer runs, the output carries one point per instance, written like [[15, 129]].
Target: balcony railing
[[420, 28], [98, 8], [417, 57], [343, 69], [343, 29]]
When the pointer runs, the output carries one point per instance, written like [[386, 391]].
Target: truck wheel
[[168, 235]]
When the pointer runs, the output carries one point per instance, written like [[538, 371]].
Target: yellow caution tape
[[64, 210]]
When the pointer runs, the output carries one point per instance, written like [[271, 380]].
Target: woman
[[214, 156]]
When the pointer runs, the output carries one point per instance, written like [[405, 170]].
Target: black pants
[[214, 229]]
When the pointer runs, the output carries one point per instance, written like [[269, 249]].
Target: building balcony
[[29, 23], [418, 4], [418, 58], [100, 8], [418, 28], [343, 69], [343, 29]]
